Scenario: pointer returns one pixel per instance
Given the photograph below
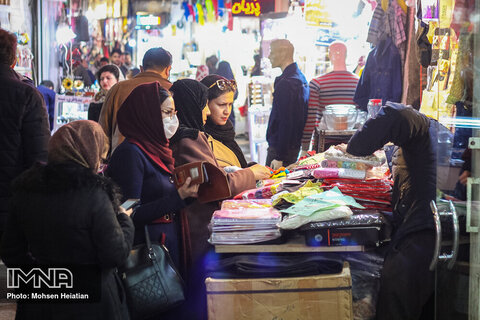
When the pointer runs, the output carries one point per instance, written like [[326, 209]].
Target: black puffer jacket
[[24, 131], [66, 215], [414, 162]]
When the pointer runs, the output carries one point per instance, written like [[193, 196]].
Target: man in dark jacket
[[406, 283], [24, 130], [289, 108]]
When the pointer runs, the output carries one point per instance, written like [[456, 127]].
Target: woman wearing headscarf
[[64, 214], [219, 128], [142, 165], [190, 144], [225, 71]]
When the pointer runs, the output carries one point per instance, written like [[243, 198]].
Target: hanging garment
[[81, 29], [382, 76], [411, 73]]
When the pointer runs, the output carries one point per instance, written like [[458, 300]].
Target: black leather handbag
[[151, 281]]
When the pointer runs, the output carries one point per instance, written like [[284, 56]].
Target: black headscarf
[[226, 135], [190, 98]]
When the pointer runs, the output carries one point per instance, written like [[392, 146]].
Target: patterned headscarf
[[82, 142]]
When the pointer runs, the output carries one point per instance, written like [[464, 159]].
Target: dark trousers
[[291, 157], [406, 284]]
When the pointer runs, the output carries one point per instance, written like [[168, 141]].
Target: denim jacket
[[382, 76]]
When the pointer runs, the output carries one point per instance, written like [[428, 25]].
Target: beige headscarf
[[82, 142]]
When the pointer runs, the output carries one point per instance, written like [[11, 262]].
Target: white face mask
[[170, 125]]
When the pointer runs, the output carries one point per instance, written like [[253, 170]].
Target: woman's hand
[[127, 212], [260, 172], [188, 190]]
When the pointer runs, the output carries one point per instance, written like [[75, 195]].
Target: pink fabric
[[202, 72]]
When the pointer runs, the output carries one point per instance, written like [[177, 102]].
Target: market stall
[[330, 204]]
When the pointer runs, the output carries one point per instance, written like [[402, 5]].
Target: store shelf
[[320, 135], [296, 244]]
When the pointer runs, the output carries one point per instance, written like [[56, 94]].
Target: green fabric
[[316, 158], [323, 201], [308, 189]]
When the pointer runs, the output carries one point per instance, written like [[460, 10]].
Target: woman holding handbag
[[66, 215], [142, 165], [190, 144]]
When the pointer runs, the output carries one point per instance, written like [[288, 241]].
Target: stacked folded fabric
[[250, 221], [372, 194]]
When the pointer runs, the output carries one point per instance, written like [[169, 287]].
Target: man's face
[[275, 56], [116, 58], [128, 59]]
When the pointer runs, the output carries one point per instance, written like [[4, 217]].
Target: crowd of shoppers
[[63, 212]]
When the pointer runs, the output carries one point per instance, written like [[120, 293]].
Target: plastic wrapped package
[[360, 219], [374, 160], [251, 203], [295, 221], [365, 269], [329, 173], [306, 190]]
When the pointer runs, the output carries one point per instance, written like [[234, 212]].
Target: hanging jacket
[[382, 76]]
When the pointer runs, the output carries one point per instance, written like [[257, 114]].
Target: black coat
[[65, 214], [414, 162], [24, 131]]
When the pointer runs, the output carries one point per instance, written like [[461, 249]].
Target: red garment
[[140, 121]]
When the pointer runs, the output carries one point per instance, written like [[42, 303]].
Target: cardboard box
[[322, 297]]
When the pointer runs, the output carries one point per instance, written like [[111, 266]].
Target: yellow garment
[[460, 62], [402, 5], [432, 25], [308, 189], [446, 13], [225, 157], [385, 5]]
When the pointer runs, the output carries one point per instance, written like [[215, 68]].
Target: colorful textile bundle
[[246, 225], [374, 160], [372, 194], [344, 164], [326, 173], [246, 204]]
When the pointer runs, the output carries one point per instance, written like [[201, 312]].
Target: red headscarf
[[140, 121]]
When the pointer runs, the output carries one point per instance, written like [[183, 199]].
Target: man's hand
[[276, 164], [303, 153], [342, 147], [463, 177]]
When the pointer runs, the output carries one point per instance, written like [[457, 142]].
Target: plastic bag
[[295, 221]]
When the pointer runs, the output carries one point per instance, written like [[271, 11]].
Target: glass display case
[[70, 108], [259, 107]]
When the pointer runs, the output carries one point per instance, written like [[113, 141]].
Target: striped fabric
[[336, 87]]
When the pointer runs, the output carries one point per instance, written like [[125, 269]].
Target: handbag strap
[[151, 252]]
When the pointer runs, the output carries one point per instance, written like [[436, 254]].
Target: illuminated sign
[[248, 8], [148, 20]]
